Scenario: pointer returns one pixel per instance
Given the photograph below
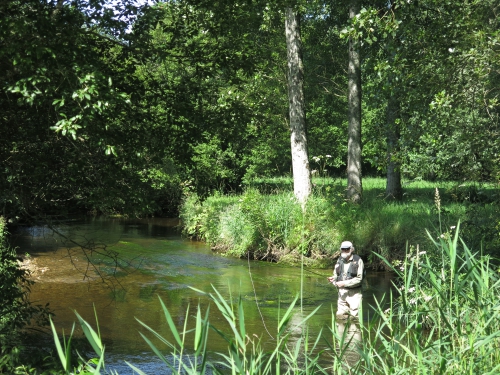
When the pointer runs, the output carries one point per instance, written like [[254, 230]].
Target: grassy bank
[[446, 320], [265, 222]]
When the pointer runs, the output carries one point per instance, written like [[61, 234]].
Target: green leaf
[[170, 322], [92, 336]]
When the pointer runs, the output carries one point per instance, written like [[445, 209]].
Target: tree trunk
[[393, 188], [298, 138], [354, 184]]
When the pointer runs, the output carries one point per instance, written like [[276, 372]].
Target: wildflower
[[422, 253], [411, 290], [453, 227], [427, 298], [387, 311], [413, 301], [328, 156]]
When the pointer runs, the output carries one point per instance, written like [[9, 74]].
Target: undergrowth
[[267, 223]]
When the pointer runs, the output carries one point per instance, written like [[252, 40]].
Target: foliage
[[443, 71], [256, 225], [449, 306], [65, 350], [109, 114], [266, 222], [16, 311], [76, 79]]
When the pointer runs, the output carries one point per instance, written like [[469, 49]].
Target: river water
[[155, 261]]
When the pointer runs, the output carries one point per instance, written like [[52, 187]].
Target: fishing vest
[[352, 271]]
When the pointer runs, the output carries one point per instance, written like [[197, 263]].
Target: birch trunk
[[298, 137], [354, 182]]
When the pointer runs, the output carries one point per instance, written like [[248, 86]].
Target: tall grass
[[445, 320], [266, 222]]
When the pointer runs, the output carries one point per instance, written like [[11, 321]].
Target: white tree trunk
[[354, 185], [298, 138]]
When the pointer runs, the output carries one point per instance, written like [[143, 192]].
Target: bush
[[16, 311], [267, 222]]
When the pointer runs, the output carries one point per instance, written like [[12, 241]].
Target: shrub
[[266, 221], [16, 311]]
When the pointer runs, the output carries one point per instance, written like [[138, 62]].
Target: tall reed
[[446, 319]]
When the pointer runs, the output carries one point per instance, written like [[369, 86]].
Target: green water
[[155, 261]]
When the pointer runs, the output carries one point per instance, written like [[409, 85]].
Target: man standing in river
[[348, 277]]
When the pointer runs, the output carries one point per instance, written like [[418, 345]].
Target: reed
[[447, 317]]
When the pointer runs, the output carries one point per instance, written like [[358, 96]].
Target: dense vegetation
[[17, 313], [266, 223], [182, 107], [120, 108]]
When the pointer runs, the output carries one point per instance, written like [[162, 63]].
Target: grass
[[446, 320], [266, 222]]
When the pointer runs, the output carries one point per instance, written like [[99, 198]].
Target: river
[[157, 262]]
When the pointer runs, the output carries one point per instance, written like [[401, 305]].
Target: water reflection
[[159, 263]]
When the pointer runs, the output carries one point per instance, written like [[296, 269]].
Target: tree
[[298, 137], [65, 98], [393, 188], [354, 182], [437, 74]]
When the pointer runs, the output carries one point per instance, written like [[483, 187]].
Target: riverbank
[[266, 223]]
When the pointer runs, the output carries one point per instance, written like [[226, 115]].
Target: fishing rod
[[315, 273]]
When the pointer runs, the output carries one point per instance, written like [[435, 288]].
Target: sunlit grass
[[266, 222]]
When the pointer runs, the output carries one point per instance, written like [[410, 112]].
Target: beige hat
[[346, 245]]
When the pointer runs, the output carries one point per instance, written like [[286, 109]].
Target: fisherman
[[348, 277]]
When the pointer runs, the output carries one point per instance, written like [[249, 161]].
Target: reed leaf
[[170, 323], [63, 351], [92, 336]]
